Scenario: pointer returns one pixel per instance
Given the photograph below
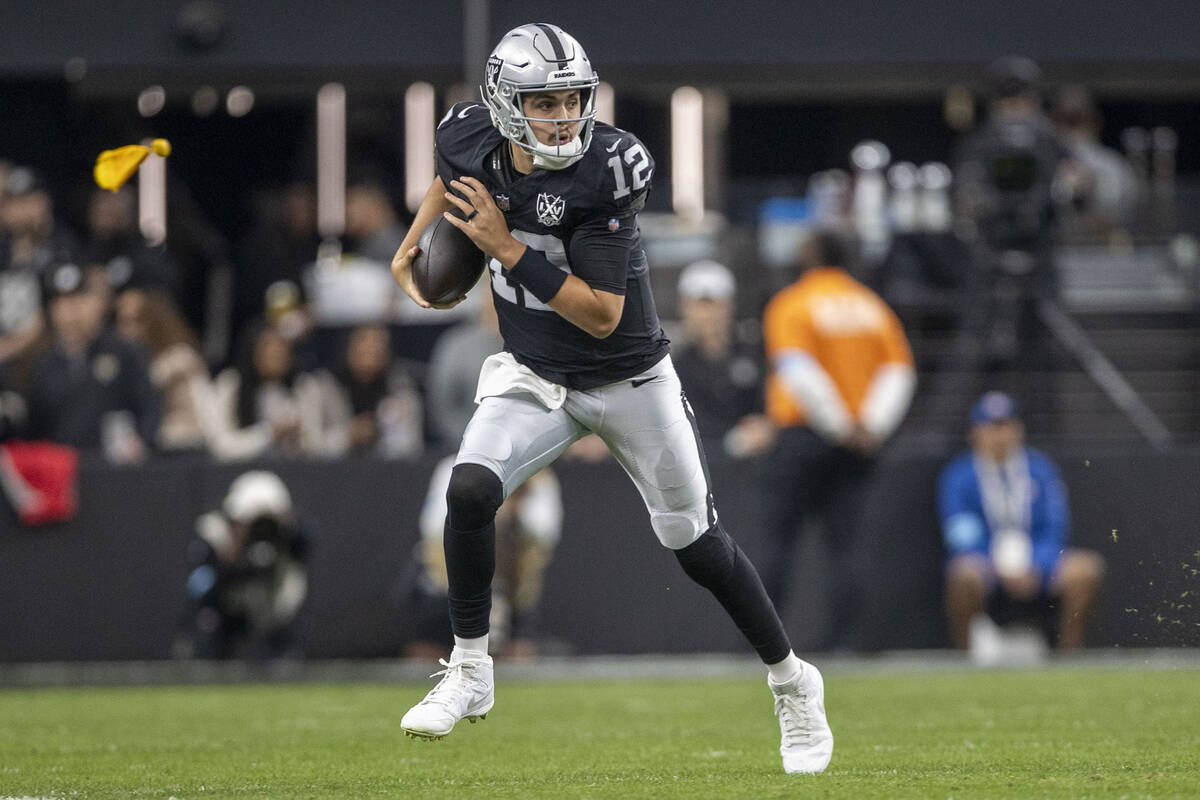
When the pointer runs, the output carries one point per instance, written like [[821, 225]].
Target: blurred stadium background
[[775, 98]]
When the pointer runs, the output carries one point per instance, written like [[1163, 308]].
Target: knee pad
[[677, 530], [472, 497]]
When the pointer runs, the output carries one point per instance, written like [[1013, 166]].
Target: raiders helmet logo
[[550, 209], [492, 72]]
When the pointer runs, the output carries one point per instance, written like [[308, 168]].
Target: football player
[[551, 197]]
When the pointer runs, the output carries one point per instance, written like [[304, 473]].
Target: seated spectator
[[116, 243], [721, 374], [90, 389], [373, 229], [31, 241], [281, 241], [1006, 525], [248, 576], [264, 406], [150, 319], [31, 237], [384, 402]]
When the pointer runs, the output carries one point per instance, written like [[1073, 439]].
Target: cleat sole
[[423, 736]]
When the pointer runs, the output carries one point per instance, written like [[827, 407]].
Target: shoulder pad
[[464, 136]]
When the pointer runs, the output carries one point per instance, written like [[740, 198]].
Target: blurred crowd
[[98, 349], [104, 347]]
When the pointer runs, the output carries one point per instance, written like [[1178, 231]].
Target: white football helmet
[[539, 57]]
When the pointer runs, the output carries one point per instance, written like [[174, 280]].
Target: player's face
[[551, 106]]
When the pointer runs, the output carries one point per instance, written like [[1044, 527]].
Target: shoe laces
[[455, 677], [792, 710]]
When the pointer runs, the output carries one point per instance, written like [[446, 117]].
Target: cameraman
[[248, 578], [1010, 176]]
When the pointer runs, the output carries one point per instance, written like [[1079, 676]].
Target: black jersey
[[583, 219]]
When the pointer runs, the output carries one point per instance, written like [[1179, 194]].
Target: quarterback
[[551, 197]]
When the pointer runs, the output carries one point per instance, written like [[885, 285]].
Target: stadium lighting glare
[[152, 198], [331, 160], [418, 143], [687, 152], [205, 101], [605, 103], [75, 69], [151, 100], [239, 102]]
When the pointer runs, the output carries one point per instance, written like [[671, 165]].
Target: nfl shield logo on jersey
[[550, 209]]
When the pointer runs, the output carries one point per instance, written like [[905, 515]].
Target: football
[[449, 263]]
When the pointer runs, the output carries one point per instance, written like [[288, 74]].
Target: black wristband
[[539, 277]]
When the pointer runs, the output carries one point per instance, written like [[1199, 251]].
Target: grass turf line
[[1051, 733]]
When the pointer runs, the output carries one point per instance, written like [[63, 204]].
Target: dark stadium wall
[[109, 585], [625, 36]]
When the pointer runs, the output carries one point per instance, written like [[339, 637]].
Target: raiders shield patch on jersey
[[550, 209]]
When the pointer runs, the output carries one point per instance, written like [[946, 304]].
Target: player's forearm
[[887, 399], [593, 311], [814, 391], [597, 313]]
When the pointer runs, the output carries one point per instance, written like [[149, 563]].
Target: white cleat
[[806, 741], [465, 690]]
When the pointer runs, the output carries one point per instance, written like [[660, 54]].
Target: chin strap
[[543, 161]]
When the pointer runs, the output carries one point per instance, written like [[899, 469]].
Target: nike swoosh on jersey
[[614, 147], [463, 114], [636, 382]]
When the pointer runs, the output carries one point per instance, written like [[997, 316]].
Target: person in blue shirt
[[1006, 524]]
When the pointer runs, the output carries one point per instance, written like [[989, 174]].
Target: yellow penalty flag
[[114, 167]]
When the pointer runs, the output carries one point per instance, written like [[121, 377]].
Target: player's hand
[[483, 221], [402, 272]]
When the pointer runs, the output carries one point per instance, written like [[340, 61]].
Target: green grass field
[[1059, 732]]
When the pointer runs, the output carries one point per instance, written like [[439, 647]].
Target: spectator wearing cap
[[721, 372], [1006, 524], [248, 578], [30, 236], [90, 389], [30, 241], [841, 381]]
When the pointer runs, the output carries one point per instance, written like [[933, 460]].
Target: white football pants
[[646, 423]]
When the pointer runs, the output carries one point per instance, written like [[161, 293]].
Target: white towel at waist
[[501, 374]]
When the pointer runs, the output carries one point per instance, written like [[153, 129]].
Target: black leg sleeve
[[472, 498], [717, 563]]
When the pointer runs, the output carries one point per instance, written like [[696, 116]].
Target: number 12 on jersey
[[636, 158]]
